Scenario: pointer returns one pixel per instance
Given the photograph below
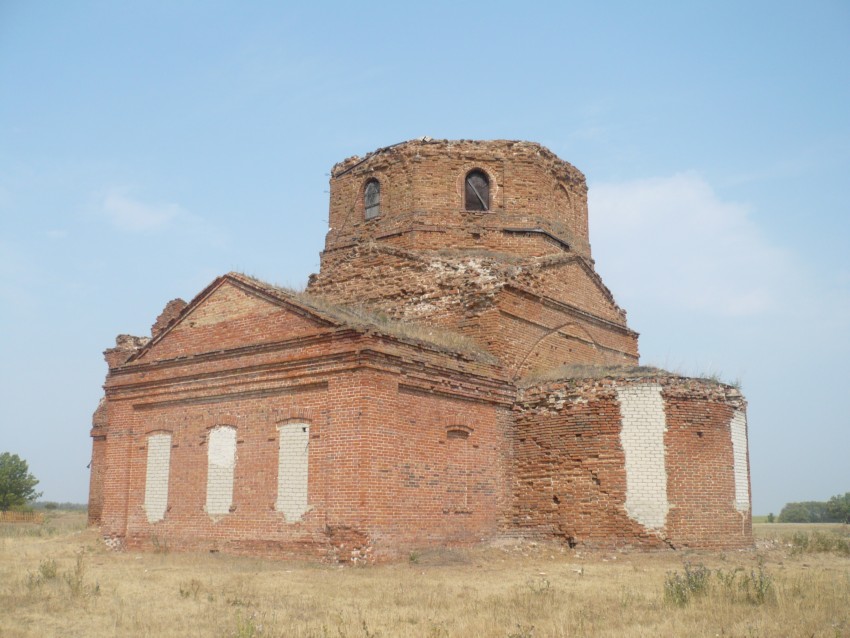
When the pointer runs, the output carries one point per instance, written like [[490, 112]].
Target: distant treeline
[[835, 510], [51, 505]]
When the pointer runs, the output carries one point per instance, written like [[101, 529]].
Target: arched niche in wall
[[458, 464]]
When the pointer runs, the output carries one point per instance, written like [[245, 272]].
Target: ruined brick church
[[456, 373]]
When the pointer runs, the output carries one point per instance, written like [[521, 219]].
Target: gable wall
[[534, 336], [229, 317]]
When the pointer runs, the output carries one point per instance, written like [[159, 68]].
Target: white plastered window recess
[[156, 476], [221, 463], [293, 470]]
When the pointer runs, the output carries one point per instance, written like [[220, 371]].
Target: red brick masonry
[[435, 364]]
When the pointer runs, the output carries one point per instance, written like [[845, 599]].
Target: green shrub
[[680, 588]]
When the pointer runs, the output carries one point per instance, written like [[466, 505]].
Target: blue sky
[[147, 147]]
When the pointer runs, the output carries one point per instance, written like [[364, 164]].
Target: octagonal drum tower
[[487, 238]]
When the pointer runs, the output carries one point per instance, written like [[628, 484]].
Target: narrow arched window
[[372, 198], [477, 195], [457, 471]]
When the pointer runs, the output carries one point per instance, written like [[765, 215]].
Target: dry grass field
[[57, 579]]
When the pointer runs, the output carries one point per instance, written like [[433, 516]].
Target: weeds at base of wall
[[738, 585], [160, 546]]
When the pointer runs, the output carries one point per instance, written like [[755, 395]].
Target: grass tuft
[[754, 586], [679, 589]]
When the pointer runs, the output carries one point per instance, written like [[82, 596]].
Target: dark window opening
[[372, 199], [477, 192]]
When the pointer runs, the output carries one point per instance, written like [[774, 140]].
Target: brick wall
[[631, 462], [382, 466], [711, 508], [97, 463], [422, 186]]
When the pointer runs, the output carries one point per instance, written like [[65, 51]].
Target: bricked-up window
[[221, 461], [292, 470], [372, 198], [477, 193], [457, 471], [156, 476]]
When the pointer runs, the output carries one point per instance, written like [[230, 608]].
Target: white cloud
[[135, 216], [673, 242], [131, 214]]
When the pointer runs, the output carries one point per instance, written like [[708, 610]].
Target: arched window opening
[[457, 471], [372, 198], [477, 196]]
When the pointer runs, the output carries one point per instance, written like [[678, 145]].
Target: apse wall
[[640, 460]]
